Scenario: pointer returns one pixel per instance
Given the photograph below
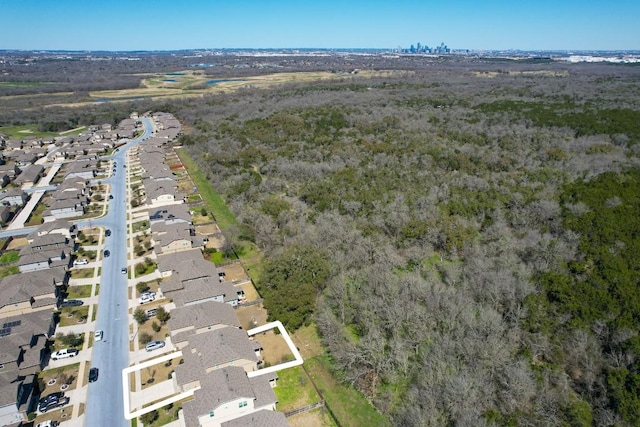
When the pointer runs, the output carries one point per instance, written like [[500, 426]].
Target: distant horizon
[[163, 25], [328, 49]]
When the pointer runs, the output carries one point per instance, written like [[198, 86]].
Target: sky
[[195, 24]]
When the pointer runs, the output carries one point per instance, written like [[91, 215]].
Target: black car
[[71, 303], [107, 253], [51, 397], [52, 401], [107, 233], [110, 196], [93, 375]]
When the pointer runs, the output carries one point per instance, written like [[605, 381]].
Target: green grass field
[[82, 291], [212, 200], [19, 132], [348, 405], [11, 256], [294, 390]]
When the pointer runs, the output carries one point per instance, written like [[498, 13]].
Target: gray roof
[[187, 265], [217, 388], [221, 346], [171, 212], [262, 418], [155, 189], [22, 287], [263, 392], [208, 313], [203, 289]]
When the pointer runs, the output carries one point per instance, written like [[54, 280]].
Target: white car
[[83, 261], [97, 335], [154, 345], [147, 297], [65, 353]]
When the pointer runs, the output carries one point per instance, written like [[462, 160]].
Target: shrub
[[140, 316], [145, 338]]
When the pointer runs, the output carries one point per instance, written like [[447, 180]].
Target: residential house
[[196, 319], [220, 348], [10, 169], [200, 290], [85, 169], [170, 214], [46, 251], [60, 226], [13, 197], [60, 209], [5, 215], [225, 395], [23, 352], [261, 418], [32, 291], [26, 158], [159, 192], [30, 175], [173, 237], [186, 265]]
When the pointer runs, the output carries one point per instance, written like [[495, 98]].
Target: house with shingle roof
[[170, 214], [171, 238], [200, 318], [261, 418], [85, 169], [227, 394], [186, 265], [197, 291], [23, 352], [67, 208], [13, 197], [59, 226], [220, 348], [32, 291], [46, 251], [30, 175], [163, 191]]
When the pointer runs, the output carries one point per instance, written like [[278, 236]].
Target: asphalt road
[[105, 406]]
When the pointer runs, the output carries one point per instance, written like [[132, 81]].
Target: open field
[[157, 87]]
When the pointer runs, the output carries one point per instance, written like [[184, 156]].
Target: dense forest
[[464, 236], [463, 232]]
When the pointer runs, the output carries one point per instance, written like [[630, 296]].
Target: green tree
[[70, 339], [149, 417], [140, 316], [162, 315], [292, 282]]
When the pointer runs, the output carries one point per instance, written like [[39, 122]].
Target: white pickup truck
[[64, 353]]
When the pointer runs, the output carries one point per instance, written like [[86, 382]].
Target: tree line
[[425, 223]]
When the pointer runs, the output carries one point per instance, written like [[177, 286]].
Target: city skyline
[[462, 24]]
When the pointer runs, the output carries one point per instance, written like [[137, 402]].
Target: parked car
[[110, 196], [65, 353], [53, 396], [48, 423], [107, 233], [147, 297], [97, 335], [154, 345], [107, 252], [82, 261], [123, 270], [71, 303], [151, 312], [54, 403], [93, 375]]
